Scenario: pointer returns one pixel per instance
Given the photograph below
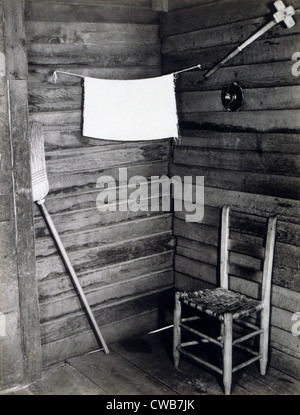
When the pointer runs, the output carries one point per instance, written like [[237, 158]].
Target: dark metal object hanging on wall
[[232, 97]]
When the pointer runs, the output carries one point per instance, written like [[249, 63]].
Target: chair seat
[[216, 302]]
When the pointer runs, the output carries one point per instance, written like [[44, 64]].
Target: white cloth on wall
[[130, 110]]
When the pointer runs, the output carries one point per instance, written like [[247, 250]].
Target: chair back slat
[[224, 247], [245, 272], [247, 249]]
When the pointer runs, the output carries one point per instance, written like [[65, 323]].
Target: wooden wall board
[[266, 126]]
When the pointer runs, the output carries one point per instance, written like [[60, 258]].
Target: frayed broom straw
[[40, 189]]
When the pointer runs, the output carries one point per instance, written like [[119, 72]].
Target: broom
[[40, 188]]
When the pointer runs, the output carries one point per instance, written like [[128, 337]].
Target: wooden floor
[[143, 366]]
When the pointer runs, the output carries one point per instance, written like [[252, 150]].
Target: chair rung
[[191, 343], [246, 363], [247, 324], [191, 319], [204, 336], [203, 362], [246, 337], [247, 349]]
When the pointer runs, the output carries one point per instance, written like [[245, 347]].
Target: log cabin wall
[[124, 260], [20, 347], [249, 159]]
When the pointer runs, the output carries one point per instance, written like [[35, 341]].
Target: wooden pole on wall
[[17, 73]]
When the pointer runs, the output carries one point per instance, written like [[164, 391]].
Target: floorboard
[[144, 366], [64, 380], [117, 376]]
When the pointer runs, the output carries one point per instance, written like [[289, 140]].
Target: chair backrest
[[246, 253]]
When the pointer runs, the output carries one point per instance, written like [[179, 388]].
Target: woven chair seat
[[216, 302]]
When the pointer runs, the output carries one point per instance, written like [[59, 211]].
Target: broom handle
[[239, 49], [48, 219]]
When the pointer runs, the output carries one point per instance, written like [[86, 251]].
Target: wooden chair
[[228, 306]]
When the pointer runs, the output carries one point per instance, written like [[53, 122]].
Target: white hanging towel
[[130, 110]]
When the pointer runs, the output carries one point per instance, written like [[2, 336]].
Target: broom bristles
[[40, 185]]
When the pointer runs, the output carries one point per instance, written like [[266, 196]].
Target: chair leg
[[177, 330], [264, 341], [227, 353]]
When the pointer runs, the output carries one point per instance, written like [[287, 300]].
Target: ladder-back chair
[[226, 304]]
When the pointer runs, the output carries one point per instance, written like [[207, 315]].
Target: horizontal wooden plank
[[248, 76], [76, 182], [204, 16], [197, 250], [57, 120], [200, 233], [104, 54], [195, 269], [265, 206], [88, 200], [285, 299], [266, 163], [119, 310], [254, 100], [285, 363], [125, 201], [182, 4], [281, 121], [58, 140], [103, 236], [86, 219], [65, 12], [251, 182], [282, 319], [55, 99], [286, 255], [40, 76], [285, 341], [137, 3], [100, 277], [55, 140], [86, 259], [62, 306], [212, 215], [185, 282], [231, 33], [90, 33], [99, 158], [259, 142]]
